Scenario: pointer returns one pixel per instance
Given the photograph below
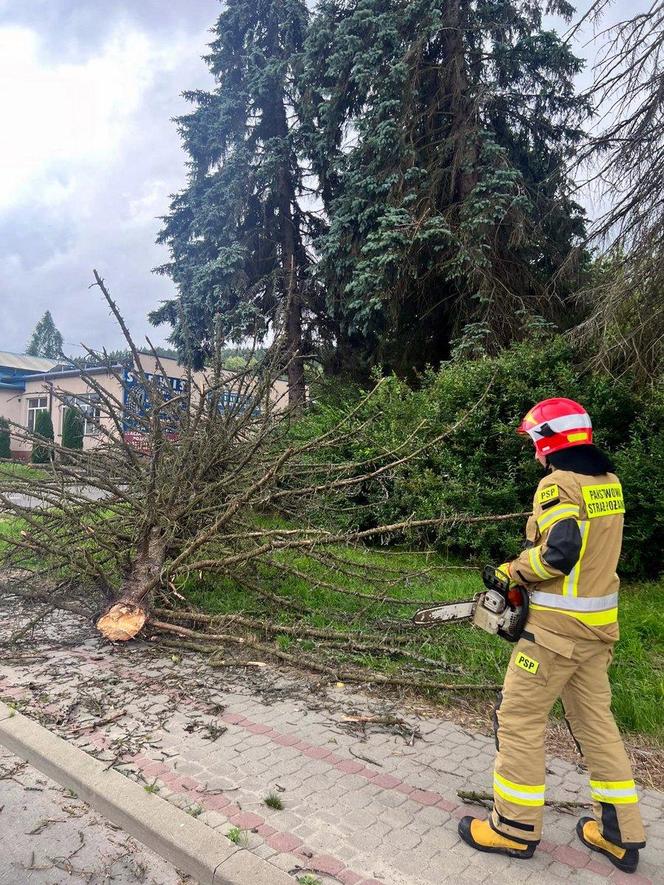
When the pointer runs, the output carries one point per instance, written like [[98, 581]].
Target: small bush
[[5, 450], [72, 430], [43, 427]]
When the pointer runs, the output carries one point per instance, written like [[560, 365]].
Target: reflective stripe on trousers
[[520, 794], [614, 792]]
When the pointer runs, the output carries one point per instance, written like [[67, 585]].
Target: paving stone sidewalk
[[365, 803], [49, 836]]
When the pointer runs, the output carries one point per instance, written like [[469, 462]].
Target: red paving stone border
[[288, 843]]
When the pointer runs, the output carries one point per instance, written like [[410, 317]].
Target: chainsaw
[[501, 609]]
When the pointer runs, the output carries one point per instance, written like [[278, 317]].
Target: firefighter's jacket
[[574, 538]]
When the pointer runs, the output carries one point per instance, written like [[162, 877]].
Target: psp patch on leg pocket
[[525, 663]]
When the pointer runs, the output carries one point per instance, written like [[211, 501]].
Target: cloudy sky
[[89, 156]]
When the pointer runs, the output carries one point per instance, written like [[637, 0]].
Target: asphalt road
[[49, 836]]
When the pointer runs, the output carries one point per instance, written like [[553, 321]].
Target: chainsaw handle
[[523, 617]]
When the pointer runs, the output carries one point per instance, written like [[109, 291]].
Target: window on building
[[36, 404], [91, 416], [88, 408]]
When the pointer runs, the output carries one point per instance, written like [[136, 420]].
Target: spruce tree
[[46, 341], [237, 234], [72, 429], [449, 208], [5, 439], [43, 454]]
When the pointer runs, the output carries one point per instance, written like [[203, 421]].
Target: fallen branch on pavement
[[310, 663], [486, 799], [99, 723]]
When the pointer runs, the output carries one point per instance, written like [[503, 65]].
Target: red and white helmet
[[556, 424]]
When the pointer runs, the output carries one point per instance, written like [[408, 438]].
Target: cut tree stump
[[122, 621]]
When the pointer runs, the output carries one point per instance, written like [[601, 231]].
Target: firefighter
[[569, 565]]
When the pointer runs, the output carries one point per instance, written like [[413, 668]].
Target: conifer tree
[[449, 207], [237, 233], [43, 453], [46, 341], [5, 439], [72, 429]]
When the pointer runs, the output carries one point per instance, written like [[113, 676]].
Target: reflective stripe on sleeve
[[536, 564], [614, 792], [561, 511], [520, 794]]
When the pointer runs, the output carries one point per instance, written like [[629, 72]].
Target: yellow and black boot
[[626, 859], [480, 835]]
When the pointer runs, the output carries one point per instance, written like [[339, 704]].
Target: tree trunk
[[291, 250], [296, 383], [126, 617]]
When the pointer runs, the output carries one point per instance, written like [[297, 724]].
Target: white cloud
[[62, 120]]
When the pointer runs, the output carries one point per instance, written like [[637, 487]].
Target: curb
[[188, 844]]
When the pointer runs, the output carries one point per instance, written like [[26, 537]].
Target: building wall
[[10, 408], [52, 389], [14, 404]]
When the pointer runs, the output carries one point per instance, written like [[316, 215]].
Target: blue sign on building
[[136, 396]]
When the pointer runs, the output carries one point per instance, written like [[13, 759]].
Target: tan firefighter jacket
[[574, 538]]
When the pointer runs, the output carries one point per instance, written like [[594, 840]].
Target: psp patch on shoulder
[[548, 495], [526, 663]]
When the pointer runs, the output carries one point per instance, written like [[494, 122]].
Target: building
[[29, 385]]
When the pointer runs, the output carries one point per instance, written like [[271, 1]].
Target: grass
[[309, 879], [10, 528], [273, 801], [637, 674], [10, 470]]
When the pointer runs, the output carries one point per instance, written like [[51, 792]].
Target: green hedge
[[484, 467]]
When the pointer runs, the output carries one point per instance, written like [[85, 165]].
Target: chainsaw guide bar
[[453, 611]]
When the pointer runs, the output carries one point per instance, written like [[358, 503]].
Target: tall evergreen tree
[[46, 341], [449, 207], [238, 232]]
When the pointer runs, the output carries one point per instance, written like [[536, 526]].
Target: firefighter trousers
[[537, 675]]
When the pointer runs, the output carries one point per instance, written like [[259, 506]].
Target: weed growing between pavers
[[238, 836], [195, 810]]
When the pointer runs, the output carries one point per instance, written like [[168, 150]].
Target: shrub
[[5, 449], [44, 428], [640, 465], [484, 467], [72, 430]]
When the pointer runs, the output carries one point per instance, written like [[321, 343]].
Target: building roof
[[25, 363], [72, 373]]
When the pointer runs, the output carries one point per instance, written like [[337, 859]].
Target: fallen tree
[[209, 483]]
